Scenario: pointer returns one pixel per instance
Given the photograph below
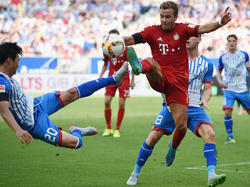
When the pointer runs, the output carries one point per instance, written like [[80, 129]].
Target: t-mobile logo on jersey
[[164, 49]]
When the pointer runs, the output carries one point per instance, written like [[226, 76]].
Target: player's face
[[14, 65], [192, 42], [231, 43], [167, 19]]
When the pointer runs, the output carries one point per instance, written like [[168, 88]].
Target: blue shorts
[[44, 129], [230, 97], [196, 117]]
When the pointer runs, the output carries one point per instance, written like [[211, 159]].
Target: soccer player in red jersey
[[114, 65], [167, 71]]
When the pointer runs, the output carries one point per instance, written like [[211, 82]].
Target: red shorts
[[123, 89], [174, 87]]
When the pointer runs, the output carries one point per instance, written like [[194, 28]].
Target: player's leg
[[179, 113], [144, 153], [107, 111], [123, 94], [163, 124], [88, 88], [148, 66], [228, 104], [120, 116], [46, 131], [244, 99], [207, 133], [228, 121], [201, 125], [74, 140]]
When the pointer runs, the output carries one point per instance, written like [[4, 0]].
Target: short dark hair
[[114, 31], [9, 50], [232, 35], [168, 5]]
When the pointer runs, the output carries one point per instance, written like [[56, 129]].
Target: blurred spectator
[[69, 29]]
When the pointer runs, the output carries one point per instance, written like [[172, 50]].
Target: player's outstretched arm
[[207, 93], [104, 68], [24, 136], [210, 27]]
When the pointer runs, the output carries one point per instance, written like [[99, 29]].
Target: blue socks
[[88, 88], [229, 126], [144, 153], [78, 134], [210, 154]]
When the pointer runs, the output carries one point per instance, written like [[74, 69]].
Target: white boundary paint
[[222, 165]]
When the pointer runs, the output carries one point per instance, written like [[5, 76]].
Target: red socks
[[146, 66], [119, 118], [177, 138], [107, 113]]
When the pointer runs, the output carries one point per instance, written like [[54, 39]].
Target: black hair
[[9, 50], [232, 35], [114, 31]]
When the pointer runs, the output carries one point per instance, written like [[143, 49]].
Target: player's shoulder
[[3, 77], [4, 83], [243, 52], [206, 60], [224, 54]]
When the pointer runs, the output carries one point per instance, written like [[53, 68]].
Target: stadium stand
[[72, 30]]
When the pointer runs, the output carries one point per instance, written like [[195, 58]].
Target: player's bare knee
[[181, 124], [77, 143], [121, 105], [228, 112], [107, 105], [152, 141], [107, 102], [72, 92], [181, 127], [154, 137], [210, 136]]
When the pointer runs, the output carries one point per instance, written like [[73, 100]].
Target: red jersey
[[169, 48], [116, 63]]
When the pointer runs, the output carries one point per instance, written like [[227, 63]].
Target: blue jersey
[[200, 71], [21, 104], [235, 70]]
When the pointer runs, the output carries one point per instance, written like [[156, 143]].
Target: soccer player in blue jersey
[[200, 73], [235, 64], [28, 117]]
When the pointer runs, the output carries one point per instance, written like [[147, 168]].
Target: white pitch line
[[221, 165]]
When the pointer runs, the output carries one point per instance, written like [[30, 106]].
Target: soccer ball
[[113, 45]]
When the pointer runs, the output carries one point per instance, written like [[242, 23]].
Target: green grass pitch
[[108, 162]]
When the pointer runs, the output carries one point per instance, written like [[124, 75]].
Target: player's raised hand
[[24, 136], [226, 17]]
